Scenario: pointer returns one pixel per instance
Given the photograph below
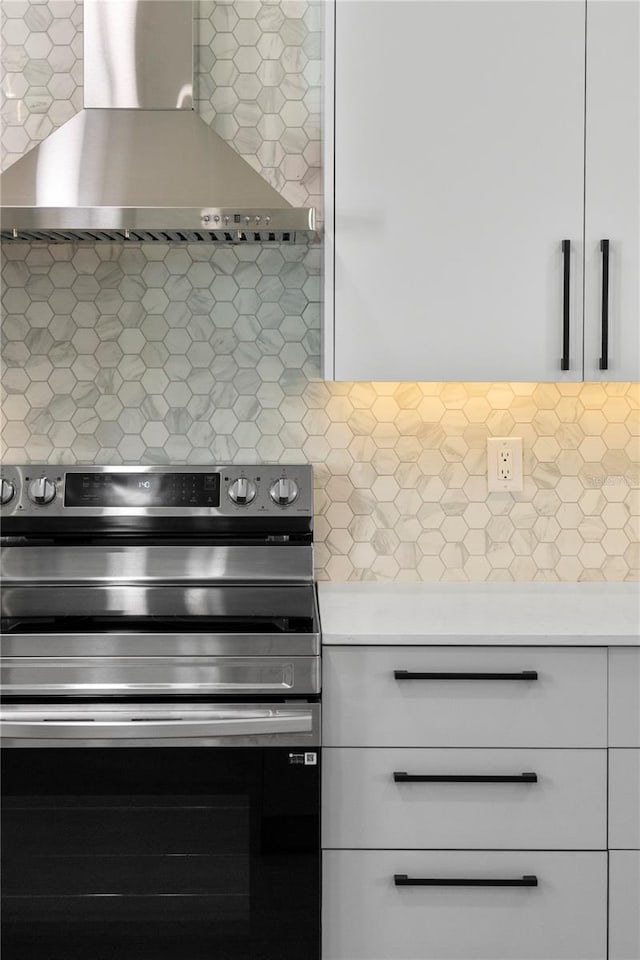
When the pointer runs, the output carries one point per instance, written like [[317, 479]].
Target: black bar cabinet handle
[[402, 880], [604, 357], [409, 675], [400, 776], [566, 254]]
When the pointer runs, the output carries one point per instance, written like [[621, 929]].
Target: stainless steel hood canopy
[[138, 163]]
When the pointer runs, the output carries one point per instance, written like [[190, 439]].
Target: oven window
[[160, 854]]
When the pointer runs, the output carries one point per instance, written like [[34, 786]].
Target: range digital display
[[142, 490]]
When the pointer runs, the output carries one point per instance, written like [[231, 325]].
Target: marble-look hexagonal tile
[[38, 76]]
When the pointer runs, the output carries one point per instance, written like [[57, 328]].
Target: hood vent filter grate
[[152, 236]]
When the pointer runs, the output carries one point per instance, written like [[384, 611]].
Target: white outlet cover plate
[[494, 446]]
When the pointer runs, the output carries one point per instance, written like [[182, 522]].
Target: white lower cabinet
[[367, 917], [464, 697], [550, 799], [624, 905], [624, 697], [624, 804], [488, 767], [624, 801]]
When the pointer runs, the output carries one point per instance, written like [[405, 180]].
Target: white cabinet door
[[459, 140], [374, 798], [366, 916], [613, 186], [369, 701], [624, 897], [624, 697], [624, 799]]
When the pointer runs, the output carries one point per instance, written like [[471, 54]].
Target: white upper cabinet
[[458, 135], [459, 172], [612, 189]]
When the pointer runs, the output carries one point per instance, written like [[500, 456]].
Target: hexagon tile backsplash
[[152, 353], [194, 353]]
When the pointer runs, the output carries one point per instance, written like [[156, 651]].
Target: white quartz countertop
[[480, 613]]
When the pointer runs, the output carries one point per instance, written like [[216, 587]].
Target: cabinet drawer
[[624, 697], [366, 705], [624, 897], [367, 917], [365, 806], [624, 799]]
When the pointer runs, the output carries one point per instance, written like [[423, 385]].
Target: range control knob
[[242, 491], [7, 491], [284, 491], [42, 490]]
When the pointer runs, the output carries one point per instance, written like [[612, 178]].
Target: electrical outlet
[[504, 464]]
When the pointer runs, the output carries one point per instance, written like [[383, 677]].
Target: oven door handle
[[74, 726]]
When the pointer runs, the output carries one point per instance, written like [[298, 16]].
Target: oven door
[[160, 832]]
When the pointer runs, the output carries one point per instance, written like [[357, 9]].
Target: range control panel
[[142, 490], [220, 490]]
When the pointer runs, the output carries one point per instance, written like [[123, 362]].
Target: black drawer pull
[[409, 675], [604, 356], [400, 776], [566, 311], [402, 880]]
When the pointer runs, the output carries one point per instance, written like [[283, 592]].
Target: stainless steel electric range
[[161, 682]]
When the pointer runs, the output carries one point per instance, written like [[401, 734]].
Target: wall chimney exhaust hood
[[137, 163]]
